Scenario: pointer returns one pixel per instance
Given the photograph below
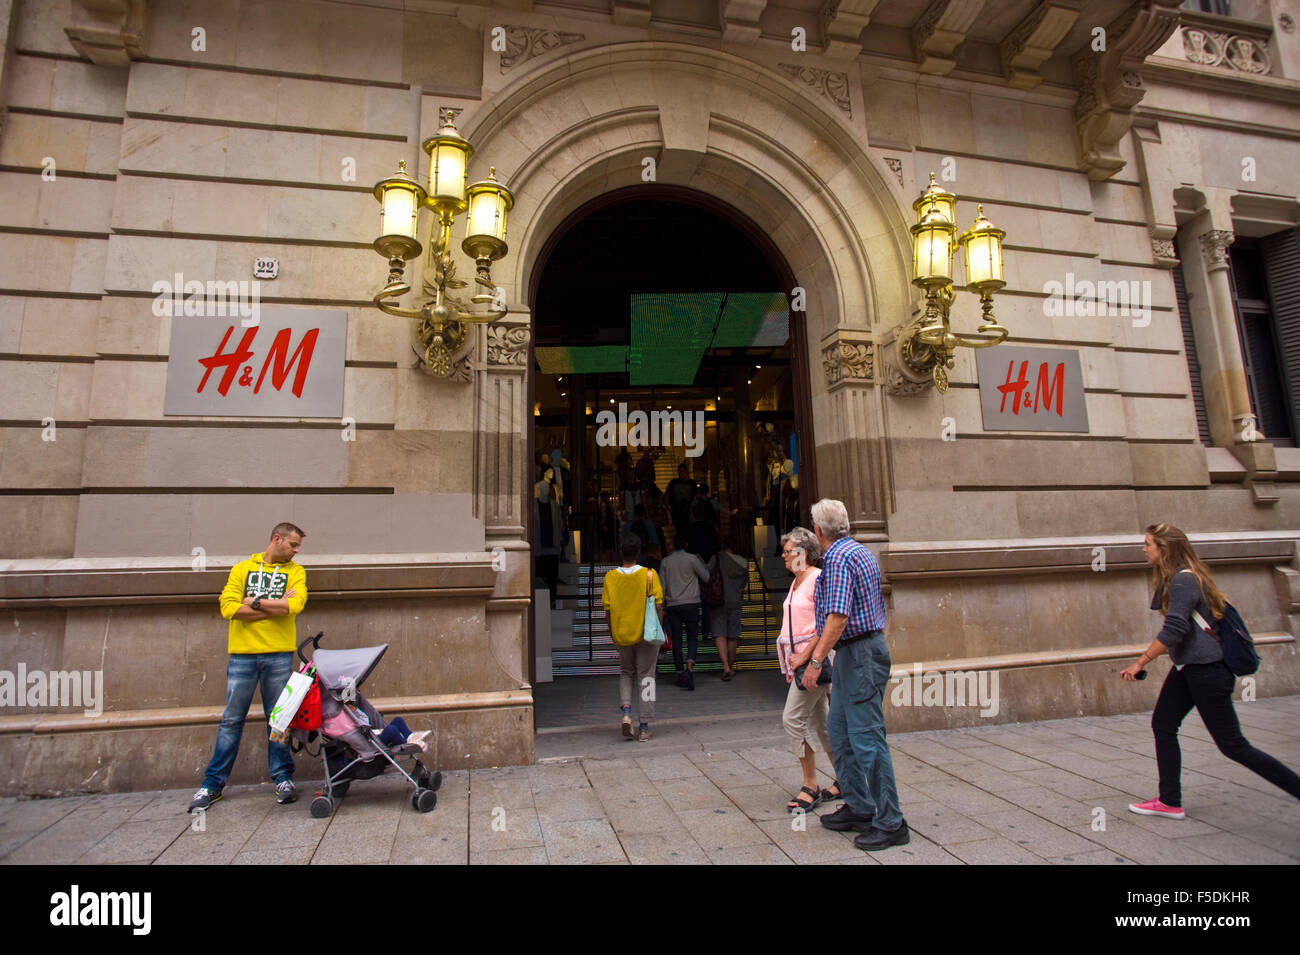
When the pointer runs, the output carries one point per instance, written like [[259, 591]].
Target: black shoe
[[681, 678], [690, 680], [876, 839], [845, 819]]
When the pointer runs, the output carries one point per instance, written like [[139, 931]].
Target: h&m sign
[[1031, 389], [287, 365]]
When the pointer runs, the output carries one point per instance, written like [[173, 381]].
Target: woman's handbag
[[652, 631], [824, 674]]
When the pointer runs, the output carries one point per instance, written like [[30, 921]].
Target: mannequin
[[548, 530]]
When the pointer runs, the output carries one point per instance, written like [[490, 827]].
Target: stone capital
[[1214, 248]]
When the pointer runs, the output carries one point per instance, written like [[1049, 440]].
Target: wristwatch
[[814, 663], [257, 603]]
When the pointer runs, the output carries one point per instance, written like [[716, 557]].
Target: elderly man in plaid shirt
[[851, 620]]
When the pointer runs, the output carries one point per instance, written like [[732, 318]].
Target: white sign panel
[[288, 365]]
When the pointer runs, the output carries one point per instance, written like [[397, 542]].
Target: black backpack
[[1234, 639]]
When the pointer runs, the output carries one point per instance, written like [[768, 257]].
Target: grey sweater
[[1186, 641]]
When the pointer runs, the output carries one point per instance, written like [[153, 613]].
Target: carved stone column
[[852, 457], [500, 435], [1254, 452]]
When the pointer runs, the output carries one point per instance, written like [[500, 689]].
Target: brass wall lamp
[[929, 344], [443, 320]]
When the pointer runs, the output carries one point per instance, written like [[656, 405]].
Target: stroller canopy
[[342, 668]]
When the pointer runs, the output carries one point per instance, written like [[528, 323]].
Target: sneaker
[[203, 799], [627, 726], [876, 839], [285, 791], [845, 819], [1154, 807], [644, 735]]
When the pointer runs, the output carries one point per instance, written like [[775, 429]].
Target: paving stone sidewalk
[[711, 791]]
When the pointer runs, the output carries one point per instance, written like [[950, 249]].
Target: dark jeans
[[246, 672], [856, 726], [678, 618], [1208, 687]]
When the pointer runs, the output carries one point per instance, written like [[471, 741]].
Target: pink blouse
[[798, 614]]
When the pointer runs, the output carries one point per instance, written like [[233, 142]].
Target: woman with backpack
[[1184, 591]]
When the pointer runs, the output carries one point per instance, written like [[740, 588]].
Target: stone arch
[[581, 125]]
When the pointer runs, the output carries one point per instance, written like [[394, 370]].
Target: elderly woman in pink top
[[805, 710]]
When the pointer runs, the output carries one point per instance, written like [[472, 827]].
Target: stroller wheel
[[424, 800], [321, 807]]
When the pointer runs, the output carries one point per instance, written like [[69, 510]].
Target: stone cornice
[[1034, 40], [941, 29]]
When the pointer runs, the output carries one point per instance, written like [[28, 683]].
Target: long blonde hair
[[1176, 554]]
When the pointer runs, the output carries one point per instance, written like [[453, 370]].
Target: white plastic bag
[[286, 707]]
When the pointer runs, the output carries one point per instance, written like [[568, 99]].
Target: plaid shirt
[[849, 584]]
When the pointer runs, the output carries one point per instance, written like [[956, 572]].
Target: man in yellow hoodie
[[261, 598]]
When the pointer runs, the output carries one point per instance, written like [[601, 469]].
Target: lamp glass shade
[[982, 248], [400, 198], [487, 213], [447, 170], [932, 248], [398, 212]]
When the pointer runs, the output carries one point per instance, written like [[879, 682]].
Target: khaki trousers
[[805, 711], [636, 677]]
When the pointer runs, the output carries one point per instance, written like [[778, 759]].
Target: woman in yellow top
[[623, 597]]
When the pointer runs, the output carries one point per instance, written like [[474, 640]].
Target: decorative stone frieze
[[848, 362], [1225, 50], [832, 85], [507, 344], [524, 43]]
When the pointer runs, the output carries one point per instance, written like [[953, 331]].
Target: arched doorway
[[716, 347], [573, 127]]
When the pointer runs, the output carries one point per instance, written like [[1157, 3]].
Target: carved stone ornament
[[524, 43], [463, 371], [1214, 248], [898, 383], [1211, 48], [897, 166], [109, 32], [1110, 81], [834, 86], [848, 361], [507, 344], [1163, 249]]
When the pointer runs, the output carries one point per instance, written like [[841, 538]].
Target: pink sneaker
[[1154, 807]]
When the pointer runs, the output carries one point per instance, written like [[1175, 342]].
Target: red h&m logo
[[1045, 389], [278, 361]]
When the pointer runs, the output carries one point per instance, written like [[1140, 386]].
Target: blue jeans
[[679, 618], [856, 725], [244, 673]]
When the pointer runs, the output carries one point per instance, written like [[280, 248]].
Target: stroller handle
[[315, 645]]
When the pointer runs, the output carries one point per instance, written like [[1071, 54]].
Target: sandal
[[828, 796], [798, 805]]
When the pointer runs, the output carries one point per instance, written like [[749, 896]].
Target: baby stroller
[[350, 744]]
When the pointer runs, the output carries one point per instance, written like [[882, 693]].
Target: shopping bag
[[286, 707], [652, 629]]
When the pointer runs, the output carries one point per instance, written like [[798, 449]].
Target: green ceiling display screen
[[670, 333], [587, 360]]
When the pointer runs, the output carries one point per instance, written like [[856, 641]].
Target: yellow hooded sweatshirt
[[253, 577]]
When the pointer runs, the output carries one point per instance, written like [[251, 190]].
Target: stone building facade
[[1115, 142]]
